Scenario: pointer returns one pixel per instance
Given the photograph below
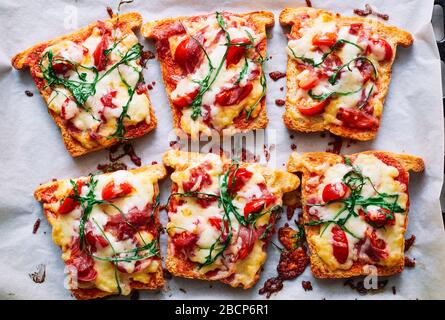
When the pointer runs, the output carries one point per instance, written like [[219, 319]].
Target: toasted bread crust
[[262, 20], [181, 266], [307, 163], [45, 194], [156, 281], [294, 120], [30, 59]]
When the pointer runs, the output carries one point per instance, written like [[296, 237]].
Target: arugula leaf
[[333, 78], [263, 94], [244, 70], [364, 102], [116, 273], [324, 96], [334, 47], [355, 181], [82, 89], [225, 200]]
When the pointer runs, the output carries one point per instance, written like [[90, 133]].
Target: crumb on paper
[[36, 226], [111, 167], [277, 75], [335, 145], [409, 242], [307, 285], [110, 12], [410, 262], [271, 285], [39, 275], [359, 286]]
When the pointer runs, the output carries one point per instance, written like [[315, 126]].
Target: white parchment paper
[[32, 152]]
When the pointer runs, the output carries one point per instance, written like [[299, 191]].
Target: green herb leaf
[[333, 78], [324, 96], [82, 89], [355, 181], [333, 48], [364, 102]]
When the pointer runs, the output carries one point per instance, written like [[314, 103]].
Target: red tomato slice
[[311, 109], [185, 240], [378, 218], [69, 204], [188, 54], [257, 205], [334, 191], [235, 53], [111, 191], [340, 244], [325, 39], [100, 59], [357, 119], [236, 183], [186, 101], [60, 68], [381, 49], [310, 81], [234, 95]]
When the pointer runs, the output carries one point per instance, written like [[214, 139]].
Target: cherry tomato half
[[334, 191], [236, 52], [324, 39], [312, 107], [111, 191]]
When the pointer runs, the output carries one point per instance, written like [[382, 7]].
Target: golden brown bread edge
[[298, 163], [180, 160], [128, 21], [263, 19], [156, 279], [309, 124]]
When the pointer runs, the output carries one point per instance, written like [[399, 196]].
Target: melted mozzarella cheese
[[382, 177], [68, 50], [221, 117], [248, 268], [66, 228], [350, 80], [349, 52], [94, 116], [193, 218], [303, 46]]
